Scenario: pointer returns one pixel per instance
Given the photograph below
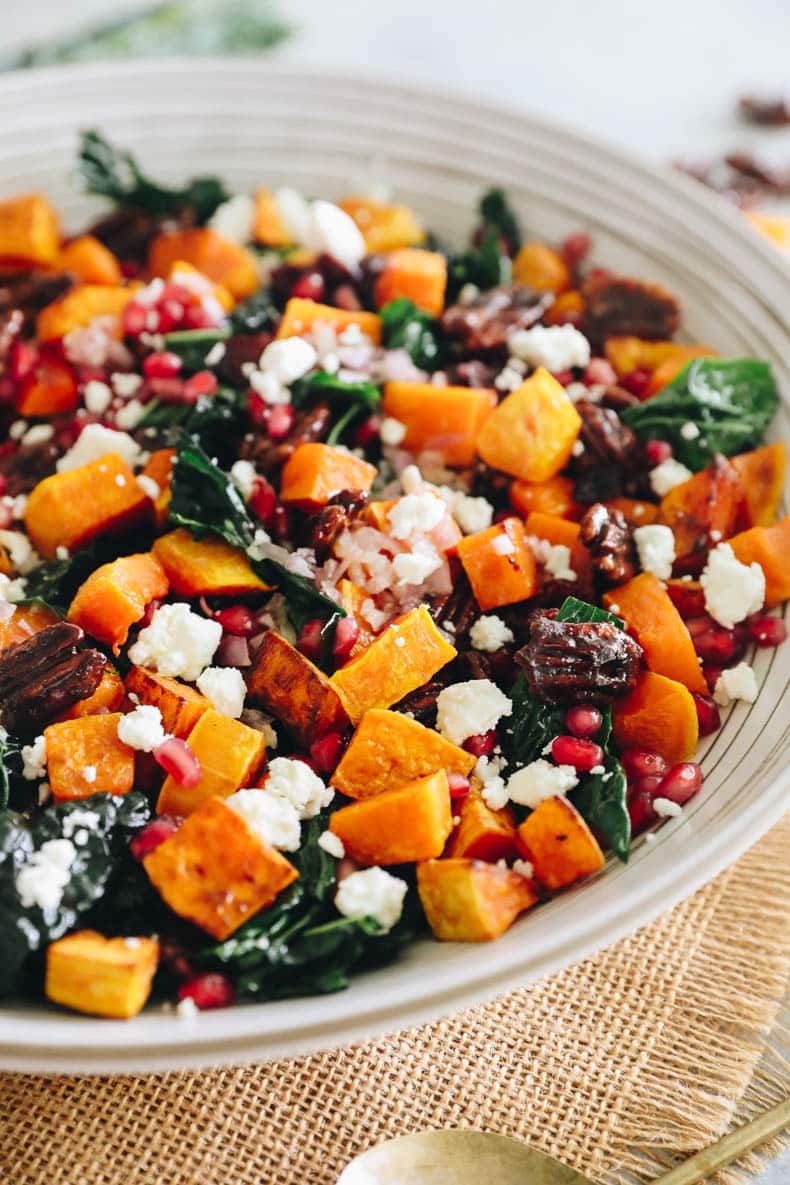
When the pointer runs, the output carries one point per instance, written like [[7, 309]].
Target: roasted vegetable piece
[[671, 367], [115, 596], [301, 315], [635, 512], [79, 307], [704, 508], [569, 662], [205, 567], [85, 756], [101, 976], [482, 834], [532, 432], [69, 509], [230, 755], [541, 268], [619, 305], [29, 230], [659, 715], [268, 227], [160, 469], [634, 353], [25, 621], [554, 496], [389, 749], [410, 823], [419, 275], [109, 696], [285, 683], [499, 564], [48, 390], [215, 871], [561, 847], [564, 533], [762, 473], [91, 262], [181, 706], [407, 654], [45, 674], [208, 252], [770, 548], [316, 472], [384, 227], [443, 420], [469, 901], [647, 610]]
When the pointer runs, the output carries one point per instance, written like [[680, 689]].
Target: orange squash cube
[[389, 749], [181, 705], [399, 660], [315, 472], [659, 714], [397, 826], [710, 501], [268, 227], [636, 353], [48, 390], [29, 230], [482, 834], [671, 367], [101, 976], [205, 567], [216, 872], [762, 472], [470, 901], [562, 532], [217, 258], [541, 268], [561, 847], [285, 683], [443, 420], [79, 307], [86, 756], [91, 262], [352, 598], [499, 564], [532, 432], [647, 609], [555, 496], [384, 227], [301, 315], [570, 301], [25, 621], [230, 755], [635, 512], [770, 548], [115, 596], [414, 273], [109, 696], [160, 469]]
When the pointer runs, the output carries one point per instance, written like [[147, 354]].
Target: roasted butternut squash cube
[[384, 227], [208, 252], [414, 273], [29, 230], [762, 472], [658, 714], [85, 756], [79, 307], [635, 512], [230, 755], [770, 548], [708, 505], [410, 823], [470, 901], [101, 976], [541, 268], [69, 509], [532, 432], [647, 609], [499, 564], [216, 872], [50, 389], [301, 315], [181, 705], [24, 621], [93, 263], [564, 533], [160, 469], [109, 696], [315, 472], [285, 683], [205, 567], [555, 496], [636, 353], [115, 596], [352, 598], [443, 420], [482, 834], [268, 227], [399, 660], [561, 847], [390, 749]]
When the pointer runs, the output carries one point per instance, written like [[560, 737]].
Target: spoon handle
[[730, 1147]]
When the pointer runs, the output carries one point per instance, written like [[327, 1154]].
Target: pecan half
[[128, 233], [457, 609], [30, 291], [579, 662], [268, 456], [772, 113], [41, 677], [485, 323], [612, 456], [609, 540], [324, 528], [421, 703], [27, 466], [619, 305]]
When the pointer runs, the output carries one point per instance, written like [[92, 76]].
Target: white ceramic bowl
[[254, 123]]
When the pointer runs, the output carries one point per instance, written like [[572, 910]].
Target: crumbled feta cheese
[[19, 506], [471, 514], [465, 709], [557, 347], [736, 683], [17, 429], [468, 294], [490, 633], [540, 780], [294, 212], [234, 219], [149, 487], [44, 875], [269, 387], [96, 396], [372, 893], [34, 759], [80, 818], [187, 1010], [242, 474], [665, 808], [20, 551], [493, 789], [524, 868], [287, 359], [12, 590], [226, 689], [375, 618], [299, 785], [89, 773], [96, 441], [411, 480], [558, 562], [415, 514], [414, 567], [215, 354], [38, 434], [331, 230], [260, 542], [508, 379], [178, 642], [667, 475], [142, 728], [733, 591], [578, 448], [655, 545], [129, 416], [689, 430], [272, 817], [61, 552], [392, 431], [126, 385], [332, 844]]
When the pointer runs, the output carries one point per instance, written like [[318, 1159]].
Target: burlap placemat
[[615, 1066]]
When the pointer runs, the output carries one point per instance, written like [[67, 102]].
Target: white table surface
[[659, 79]]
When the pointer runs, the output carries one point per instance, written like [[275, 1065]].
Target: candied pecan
[[473, 373], [579, 662], [310, 424], [612, 456], [619, 305], [11, 325], [27, 465], [30, 291], [610, 542], [485, 323], [240, 349], [421, 704], [617, 398], [41, 677], [324, 528], [128, 233], [774, 113], [457, 609]]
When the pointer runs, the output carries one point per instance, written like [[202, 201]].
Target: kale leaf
[[361, 398], [115, 174], [730, 400], [256, 314], [404, 326], [55, 584], [484, 266], [215, 421], [192, 345], [497, 214], [533, 724]]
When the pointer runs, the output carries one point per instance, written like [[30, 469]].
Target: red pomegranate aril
[[718, 645], [576, 248], [641, 812], [263, 500], [600, 371], [481, 744], [177, 759], [134, 319], [171, 315], [344, 297], [279, 421], [149, 611], [711, 673], [202, 383], [163, 364], [657, 451], [642, 763], [238, 620], [209, 990], [707, 713], [367, 432], [582, 755], [310, 642], [689, 600], [563, 377], [698, 625], [281, 522], [22, 360], [310, 286], [130, 269], [459, 785], [346, 637], [196, 317], [257, 407], [165, 390], [637, 382], [325, 752], [646, 785], [154, 833], [767, 631], [583, 721], [681, 782]]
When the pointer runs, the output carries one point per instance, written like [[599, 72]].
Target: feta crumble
[[540, 780], [271, 817], [689, 430], [94, 442], [392, 431], [34, 759], [149, 487], [38, 434], [665, 808], [299, 785], [187, 1010], [655, 545], [129, 416], [372, 893], [226, 689], [415, 514], [242, 474], [667, 475], [557, 347], [471, 514], [20, 551], [142, 729], [332, 844], [465, 709], [178, 642], [331, 230], [490, 633], [558, 562], [524, 868], [234, 219], [736, 683], [287, 359], [96, 396], [414, 567], [44, 875], [733, 591], [492, 784], [126, 385]]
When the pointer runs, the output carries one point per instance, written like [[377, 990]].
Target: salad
[[352, 588]]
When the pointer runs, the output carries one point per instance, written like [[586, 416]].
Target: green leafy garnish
[[55, 584], [404, 326], [215, 421], [256, 314], [497, 214], [192, 345], [361, 399], [731, 402], [484, 266], [533, 724], [8, 746]]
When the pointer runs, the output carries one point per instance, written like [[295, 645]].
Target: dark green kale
[[192, 345], [355, 398], [215, 421], [404, 326], [484, 266], [256, 314], [497, 214]]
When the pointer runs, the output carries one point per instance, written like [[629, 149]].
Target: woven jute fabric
[[617, 1066]]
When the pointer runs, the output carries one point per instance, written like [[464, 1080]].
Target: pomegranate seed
[[171, 315], [637, 382], [583, 721], [310, 286], [3, 484], [280, 421], [367, 432], [202, 383], [718, 645], [325, 752], [173, 291], [582, 755], [642, 763], [177, 759], [698, 625], [196, 317], [658, 451], [154, 833], [238, 620], [641, 812], [22, 360], [688, 599], [767, 631], [163, 364], [712, 674], [459, 785], [263, 500], [280, 525], [600, 370], [576, 248], [130, 269], [257, 407], [346, 637], [344, 297], [210, 990], [707, 713], [647, 785], [482, 744], [149, 611], [311, 641], [166, 390], [681, 782], [134, 319], [563, 377]]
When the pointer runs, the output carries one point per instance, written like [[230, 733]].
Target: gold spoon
[[467, 1157]]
